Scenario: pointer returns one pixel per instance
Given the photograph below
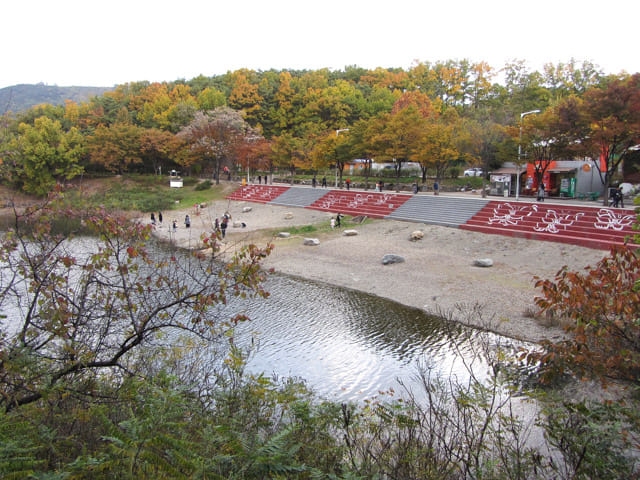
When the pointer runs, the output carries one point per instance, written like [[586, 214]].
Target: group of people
[[314, 182], [222, 223]]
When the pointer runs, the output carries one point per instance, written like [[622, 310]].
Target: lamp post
[[522, 115], [337, 133]]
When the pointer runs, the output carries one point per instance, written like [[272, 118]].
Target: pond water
[[349, 345]]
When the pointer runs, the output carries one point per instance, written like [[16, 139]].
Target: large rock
[[312, 242], [284, 234], [247, 209], [390, 258], [483, 262], [350, 233], [416, 235], [288, 216]]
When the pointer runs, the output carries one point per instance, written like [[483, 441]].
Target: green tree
[[43, 154]]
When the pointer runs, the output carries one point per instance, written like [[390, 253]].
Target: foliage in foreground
[[603, 308], [96, 384]]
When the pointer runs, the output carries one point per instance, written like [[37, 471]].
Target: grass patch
[[145, 193]]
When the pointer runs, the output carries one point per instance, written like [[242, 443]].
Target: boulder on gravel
[[416, 235], [247, 209], [390, 258], [312, 242], [284, 234], [350, 233], [483, 262]]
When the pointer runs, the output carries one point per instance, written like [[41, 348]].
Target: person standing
[[187, 221], [540, 197], [313, 182], [160, 218], [259, 179], [223, 225], [338, 218], [324, 182], [175, 225], [153, 219], [436, 188], [348, 182]]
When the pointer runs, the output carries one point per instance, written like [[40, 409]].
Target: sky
[[98, 43]]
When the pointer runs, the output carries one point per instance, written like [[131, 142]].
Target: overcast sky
[[99, 43]]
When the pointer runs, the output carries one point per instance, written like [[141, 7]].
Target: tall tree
[[214, 135], [606, 125], [116, 148], [43, 153]]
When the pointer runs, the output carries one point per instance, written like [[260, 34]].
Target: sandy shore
[[438, 275]]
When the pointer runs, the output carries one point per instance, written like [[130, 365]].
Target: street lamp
[[337, 133], [522, 115]]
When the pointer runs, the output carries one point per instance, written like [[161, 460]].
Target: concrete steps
[[593, 227], [299, 197], [438, 210], [587, 226]]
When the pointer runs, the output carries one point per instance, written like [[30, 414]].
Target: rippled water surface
[[346, 344]]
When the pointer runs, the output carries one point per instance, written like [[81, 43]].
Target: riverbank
[[438, 275]]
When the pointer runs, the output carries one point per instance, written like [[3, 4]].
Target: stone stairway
[[438, 210], [587, 226], [593, 227], [299, 197]]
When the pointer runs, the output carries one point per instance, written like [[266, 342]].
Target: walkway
[[571, 221]]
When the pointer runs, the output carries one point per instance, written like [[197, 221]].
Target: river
[[350, 345]]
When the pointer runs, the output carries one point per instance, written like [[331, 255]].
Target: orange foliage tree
[[602, 306]]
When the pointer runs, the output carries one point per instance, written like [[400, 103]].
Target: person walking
[[187, 221], [540, 197], [223, 225], [348, 182], [338, 218], [160, 218], [153, 219], [324, 182], [436, 188], [259, 179], [313, 181]]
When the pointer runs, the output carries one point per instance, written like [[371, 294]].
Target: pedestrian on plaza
[[348, 182], [338, 218], [313, 182], [436, 188], [153, 219], [160, 218], [324, 182], [223, 225], [187, 221], [259, 179], [540, 197]]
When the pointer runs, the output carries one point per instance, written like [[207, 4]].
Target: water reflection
[[346, 344]]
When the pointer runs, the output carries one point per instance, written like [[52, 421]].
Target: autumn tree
[[605, 125], [214, 136], [71, 315], [394, 136], [290, 153], [601, 307], [116, 148], [42, 154], [435, 147], [157, 147]]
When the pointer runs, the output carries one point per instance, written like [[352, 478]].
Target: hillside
[[18, 98]]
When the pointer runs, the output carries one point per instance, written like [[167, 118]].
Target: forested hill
[[18, 98]]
